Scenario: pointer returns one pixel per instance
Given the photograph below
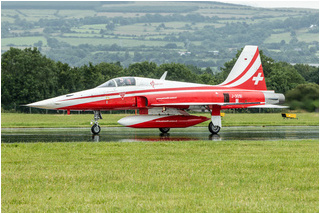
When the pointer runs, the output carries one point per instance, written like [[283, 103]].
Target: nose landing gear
[[95, 129], [164, 130]]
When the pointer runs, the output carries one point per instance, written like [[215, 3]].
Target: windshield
[[122, 81], [110, 83]]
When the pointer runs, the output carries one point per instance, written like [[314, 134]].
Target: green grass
[[228, 176], [83, 120]]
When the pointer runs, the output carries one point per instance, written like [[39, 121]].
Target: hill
[[204, 34]]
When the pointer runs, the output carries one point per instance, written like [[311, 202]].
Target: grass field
[[228, 176], [83, 120]]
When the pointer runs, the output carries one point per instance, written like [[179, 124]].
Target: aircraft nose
[[45, 104]]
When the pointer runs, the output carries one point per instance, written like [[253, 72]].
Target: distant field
[[302, 35], [163, 177], [145, 30], [83, 120], [75, 13], [19, 41], [110, 41], [141, 29], [36, 15], [276, 38]]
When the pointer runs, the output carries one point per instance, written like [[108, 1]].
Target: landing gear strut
[[95, 129], [164, 130]]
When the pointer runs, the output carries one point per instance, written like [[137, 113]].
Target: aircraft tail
[[247, 73]]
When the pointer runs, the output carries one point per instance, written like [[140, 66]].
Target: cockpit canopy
[[119, 82]]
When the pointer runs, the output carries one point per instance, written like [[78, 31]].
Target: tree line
[[29, 76]]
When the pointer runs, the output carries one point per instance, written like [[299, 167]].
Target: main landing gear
[[213, 129], [95, 129], [215, 124]]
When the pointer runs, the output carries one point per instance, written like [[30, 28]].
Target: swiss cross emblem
[[257, 79], [122, 94], [152, 84]]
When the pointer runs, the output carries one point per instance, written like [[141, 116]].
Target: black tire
[[164, 130], [95, 129], [213, 129]]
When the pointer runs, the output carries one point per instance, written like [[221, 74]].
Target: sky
[[276, 4]]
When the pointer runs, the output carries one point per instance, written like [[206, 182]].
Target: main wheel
[[213, 129], [164, 130], [95, 129]]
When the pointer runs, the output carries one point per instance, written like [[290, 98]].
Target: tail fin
[[247, 73]]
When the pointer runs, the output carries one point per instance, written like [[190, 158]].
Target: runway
[[123, 134]]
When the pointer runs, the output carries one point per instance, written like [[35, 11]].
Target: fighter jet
[[163, 103]]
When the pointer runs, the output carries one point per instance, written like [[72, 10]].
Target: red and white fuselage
[[171, 94], [163, 100]]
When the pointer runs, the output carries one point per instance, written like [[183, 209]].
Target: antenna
[[164, 75]]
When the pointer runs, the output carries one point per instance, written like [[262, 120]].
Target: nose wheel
[[95, 129], [164, 130]]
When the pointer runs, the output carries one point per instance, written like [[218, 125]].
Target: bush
[[304, 96]]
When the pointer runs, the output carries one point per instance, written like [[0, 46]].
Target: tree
[[109, 70], [111, 26], [26, 76], [143, 69], [309, 73], [208, 79], [90, 76], [283, 77], [178, 72], [304, 96]]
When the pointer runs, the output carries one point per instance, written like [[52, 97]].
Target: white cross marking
[[257, 79]]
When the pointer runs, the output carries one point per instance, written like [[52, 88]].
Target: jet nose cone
[[45, 104]]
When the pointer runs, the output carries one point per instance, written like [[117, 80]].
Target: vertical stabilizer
[[247, 73]]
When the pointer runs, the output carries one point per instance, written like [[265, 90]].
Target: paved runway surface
[[123, 134]]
